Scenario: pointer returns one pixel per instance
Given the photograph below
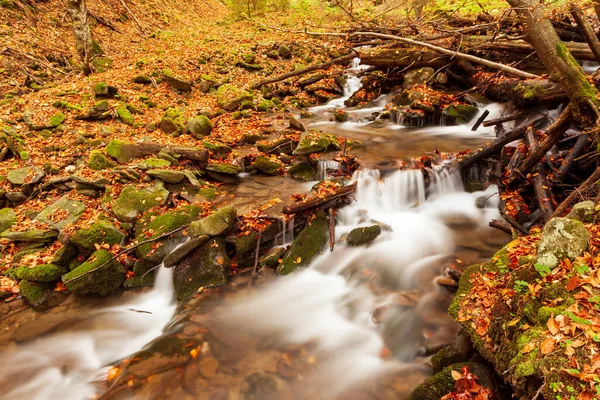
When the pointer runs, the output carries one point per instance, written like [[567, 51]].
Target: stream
[[358, 323]]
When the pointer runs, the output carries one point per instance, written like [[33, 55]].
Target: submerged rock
[[101, 282], [102, 232], [133, 201], [207, 266], [362, 236], [561, 238], [219, 223], [267, 166], [309, 244]]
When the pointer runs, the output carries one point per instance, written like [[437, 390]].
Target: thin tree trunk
[[586, 29], [83, 34], [559, 62]]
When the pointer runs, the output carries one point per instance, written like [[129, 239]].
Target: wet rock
[[64, 254], [158, 225], [272, 257], [102, 89], [134, 200], [253, 138], [101, 282], [99, 111], [583, 211], [561, 238], [230, 97], [442, 383], [462, 113], [284, 52], [35, 293], [99, 161], [144, 275], [125, 115], [45, 273], [7, 219], [102, 232], [303, 170], [176, 82], [71, 209], [207, 266], [20, 176], [267, 165], [280, 146], [417, 77], [296, 125], [309, 244], [459, 351], [363, 236], [173, 122], [341, 115], [260, 386], [199, 126], [217, 148], [312, 142], [224, 168], [219, 223], [167, 175], [177, 255]]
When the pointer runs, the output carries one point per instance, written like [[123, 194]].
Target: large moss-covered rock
[[309, 244], [462, 113], [583, 211], [134, 200], [207, 266], [30, 236], [173, 122], [200, 126], [181, 252], [125, 116], [20, 176], [65, 254], [267, 166], [362, 236], [561, 238], [443, 383], [223, 168], [303, 170], [102, 89], [219, 223], [312, 142], [176, 82], [35, 293], [98, 161], [284, 52], [70, 210], [101, 282], [159, 225], [230, 97], [7, 218], [167, 175], [46, 273], [102, 232]]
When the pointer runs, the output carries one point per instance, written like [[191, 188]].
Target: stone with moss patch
[[229, 97], [7, 218], [265, 105], [144, 275], [134, 200], [363, 236], [30, 236], [223, 168], [35, 293], [70, 209], [219, 223], [309, 244], [87, 280], [207, 266], [442, 383], [561, 238], [45, 273], [216, 147], [101, 232], [167, 175], [462, 113], [267, 166], [284, 52], [20, 176], [176, 82], [312, 142], [200, 126], [125, 116], [99, 161], [173, 122], [583, 211], [154, 162]]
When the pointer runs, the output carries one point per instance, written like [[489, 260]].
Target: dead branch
[[318, 202], [572, 198], [540, 182]]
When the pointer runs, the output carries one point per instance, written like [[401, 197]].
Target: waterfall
[[324, 166]]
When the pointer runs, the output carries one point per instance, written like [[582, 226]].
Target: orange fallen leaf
[[547, 346], [553, 326]]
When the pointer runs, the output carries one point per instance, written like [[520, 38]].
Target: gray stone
[[134, 200], [32, 235], [167, 175], [73, 208], [7, 218], [177, 255], [199, 126], [20, 176], [583, 211], [561, 238], [219, 223]]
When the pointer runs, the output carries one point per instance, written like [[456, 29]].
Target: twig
[[331, 212], [589, 182], [132, 15]]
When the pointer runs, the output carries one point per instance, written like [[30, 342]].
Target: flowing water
[[357, 323]]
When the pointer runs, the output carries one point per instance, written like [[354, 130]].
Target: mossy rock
[[267, 165], [229, 97], [341, 115], [56, 120], [72, 208], [35, 293], [217, 148], [65, 254], [266, 105], [134, 200], [309, 244], [102, 89], [154, 162], [125, 116], [101, 282], [280, 146], [462, 113], [207, 266], [312, 142], [102, 232], [583, 211], [223, 168], [200, 126], [144, 275], [561, 238], [20, 176], [99, 161], [442, 383], [284, 52], [303, 170], [363, 236], [161, 224], [167, 175], [176, 82], [7, 218], [271, 258], [181, 252], [142, 79], [219, 223], [30, 236], [173, 122], [99, 111], [45, 273], [101, 64]]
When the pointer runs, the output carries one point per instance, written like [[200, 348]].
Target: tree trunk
[[83, 34], [559, 62], [586, 29]]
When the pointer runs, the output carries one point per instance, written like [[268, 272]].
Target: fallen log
[[507, 118], [572, 198], [335, 61], [324, 202], [455, 54], [401, 57], [576, 151], [501, 225], [580, 51], [540, 182], [586, 29]]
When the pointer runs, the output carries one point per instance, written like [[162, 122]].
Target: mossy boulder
[[56, 120], [153, 226], [30, 236], [154, 162], [101, 282], [134, 200], [99, 111], [265, 105], [167, 175], [217, 148], [45, 273], [125, 116], [173, 122], [65, 254], [312, 142], [181, 252], [462, 113], [200, 126], [230, 97], [309, 244], [561, 238], [102, 89], [363, 236], [267, 165], [341, 115], [176, 82], [35, 293], [303, 170], [20, 176], [442, 383], [7, 218], [70, 209], [223, 168], [144, 274], [583, 211], [207, 266], [219, 223], [101, 232], [99, 161], [284, 52], [271, 258]]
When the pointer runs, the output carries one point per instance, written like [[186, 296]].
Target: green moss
[[134, 200], [266, 105], [464, 287], [200, 126], [98, 161], [218, 148], [46, 273], [309, 244], [125, 116], [35, 293], [102, 232], [267, 166], [224, 168], [100, 282], [173, 122], [362, 236], [7, 218], [57, 119], [587, 91]]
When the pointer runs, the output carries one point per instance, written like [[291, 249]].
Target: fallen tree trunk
[[576, 151], [321, 202], [586, 30]]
